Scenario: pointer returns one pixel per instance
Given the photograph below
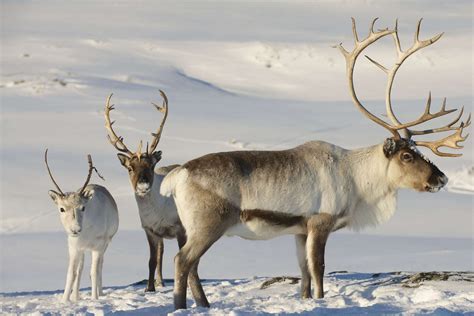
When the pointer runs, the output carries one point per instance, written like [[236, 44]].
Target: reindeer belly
[[259, 224]]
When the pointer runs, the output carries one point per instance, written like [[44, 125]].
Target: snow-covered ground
[[346, 294], [239, 75]]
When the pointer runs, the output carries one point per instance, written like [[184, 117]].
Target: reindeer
[[311, 190], [158, 214], [90, 219]]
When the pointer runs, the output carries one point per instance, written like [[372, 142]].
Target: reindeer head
[[140, 165], [407, 166], [71, 205]]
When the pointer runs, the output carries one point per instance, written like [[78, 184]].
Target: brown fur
[[273, 218], [242, 163], [303, 264], [187, 259], [417, 168], [139, 169], [213, 186], [319, 228]]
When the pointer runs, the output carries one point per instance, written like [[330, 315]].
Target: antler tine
[[50, 174], [354, 31], [115, 140], [397, 39], [138, 153], [371, 29], [157, 135], [91, 167], [425, 117], [447, 127], [351, 58], [424, 43], [402, 56], [450, 141], [417, 32], [377, 64]]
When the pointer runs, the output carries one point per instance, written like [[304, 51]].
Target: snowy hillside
[[239, 75]]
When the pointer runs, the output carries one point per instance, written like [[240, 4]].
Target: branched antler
[[450, 141], [157, 135], [91, 168], [351, 57], [117, 141]]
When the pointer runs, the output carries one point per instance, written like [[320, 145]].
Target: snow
[[345, 293], [461, 181], [239, 75]]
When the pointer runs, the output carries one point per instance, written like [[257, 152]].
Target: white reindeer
[[158, 214], [308, 191], [90, 219]]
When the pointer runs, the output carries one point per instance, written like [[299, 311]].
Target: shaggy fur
[[91, 220], [309, 191]]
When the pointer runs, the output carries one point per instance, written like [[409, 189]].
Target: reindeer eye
[[62, 210], [407, 157]]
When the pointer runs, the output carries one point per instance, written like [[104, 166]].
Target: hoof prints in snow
[[345, 293]]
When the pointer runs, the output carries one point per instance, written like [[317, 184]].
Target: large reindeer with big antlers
[[158, 214], [90, 219], [311, 190]]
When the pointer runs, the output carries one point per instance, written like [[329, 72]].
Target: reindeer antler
[[450, 141], [157, 135], [117, 141], [91, 168], [351, 58], [50, 174]]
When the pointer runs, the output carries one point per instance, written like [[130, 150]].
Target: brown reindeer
[[158, 214], [311, 190]]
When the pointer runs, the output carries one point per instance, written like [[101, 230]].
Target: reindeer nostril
[[444, 180]]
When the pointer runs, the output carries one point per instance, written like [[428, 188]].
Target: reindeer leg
[[159, 259], [305, 276], [100, 269], [152, 262], [77, 281], [71, 272], [94, 273], [196, 287], [193, 278], [207, 218], [186, 258], [319, 227]]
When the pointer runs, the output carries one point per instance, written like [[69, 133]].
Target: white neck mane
[[377, 198]]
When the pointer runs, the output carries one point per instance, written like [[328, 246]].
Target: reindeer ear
[[54, 196], [88, 194], [390, 147], [124, 159], [156, 156]]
